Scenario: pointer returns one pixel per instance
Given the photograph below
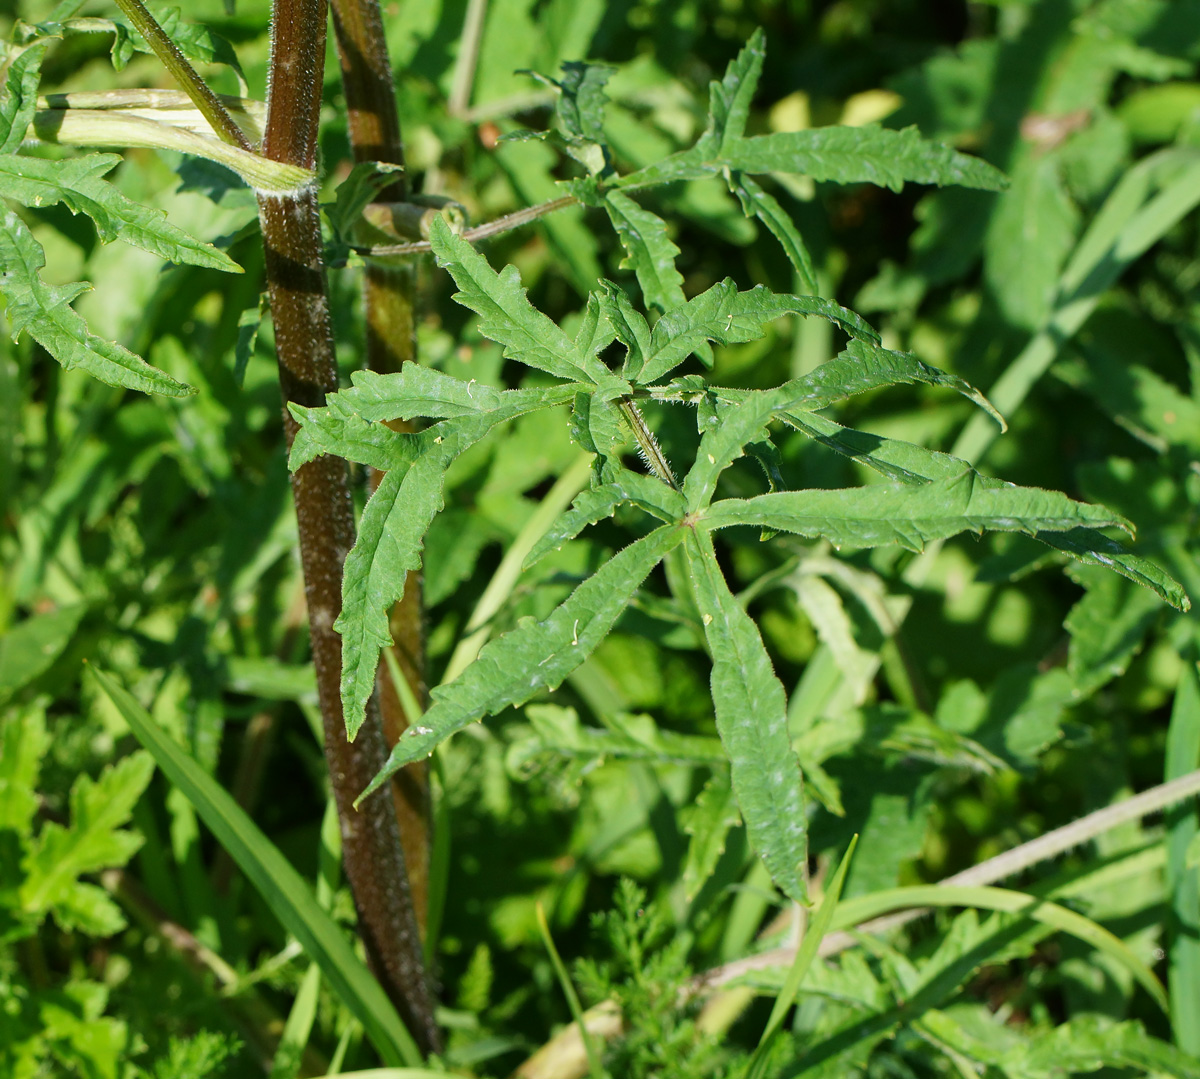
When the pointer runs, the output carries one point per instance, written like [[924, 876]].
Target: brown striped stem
[[388, 301], [373, 857]]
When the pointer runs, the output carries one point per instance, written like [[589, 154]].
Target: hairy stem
[[480, 232], [388, 295], [373, 857], [177, 64]]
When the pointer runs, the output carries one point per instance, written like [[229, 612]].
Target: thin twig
[[479, 232], [995, 869]]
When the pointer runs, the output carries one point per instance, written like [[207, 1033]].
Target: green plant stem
[[373, 856], [468, 58], [184, 74], [388, 301]]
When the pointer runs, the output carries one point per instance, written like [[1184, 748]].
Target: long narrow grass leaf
[[805, 954], [282, 888]]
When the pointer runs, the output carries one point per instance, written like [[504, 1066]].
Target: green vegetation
[[732, 524]]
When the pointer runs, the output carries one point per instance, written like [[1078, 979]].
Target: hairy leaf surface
[[650, 252], [913, 516], [79, 185], [389, 544], [506, 315], [724, 315], [596, 503], [864, 366], [18, 97], [534, 656], [45, 312], [845, 155], [911, 464], [751, 711], [761, 204]]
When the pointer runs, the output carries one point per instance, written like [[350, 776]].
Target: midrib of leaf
[[45, 312], [78, 184], [751, 714], [536, 655]]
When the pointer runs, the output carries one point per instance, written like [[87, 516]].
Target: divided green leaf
[[45, 312], [751, 713], [536, 655]]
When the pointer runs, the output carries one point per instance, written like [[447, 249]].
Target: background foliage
[[944, 707]]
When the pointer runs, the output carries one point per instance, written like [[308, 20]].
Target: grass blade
[[1183, 882], [284, 890], [595, 1068], [805, 954]]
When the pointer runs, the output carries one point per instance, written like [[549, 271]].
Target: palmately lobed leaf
[[536, 655]]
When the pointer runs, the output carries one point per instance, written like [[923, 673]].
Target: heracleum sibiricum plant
[[632, 354]]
